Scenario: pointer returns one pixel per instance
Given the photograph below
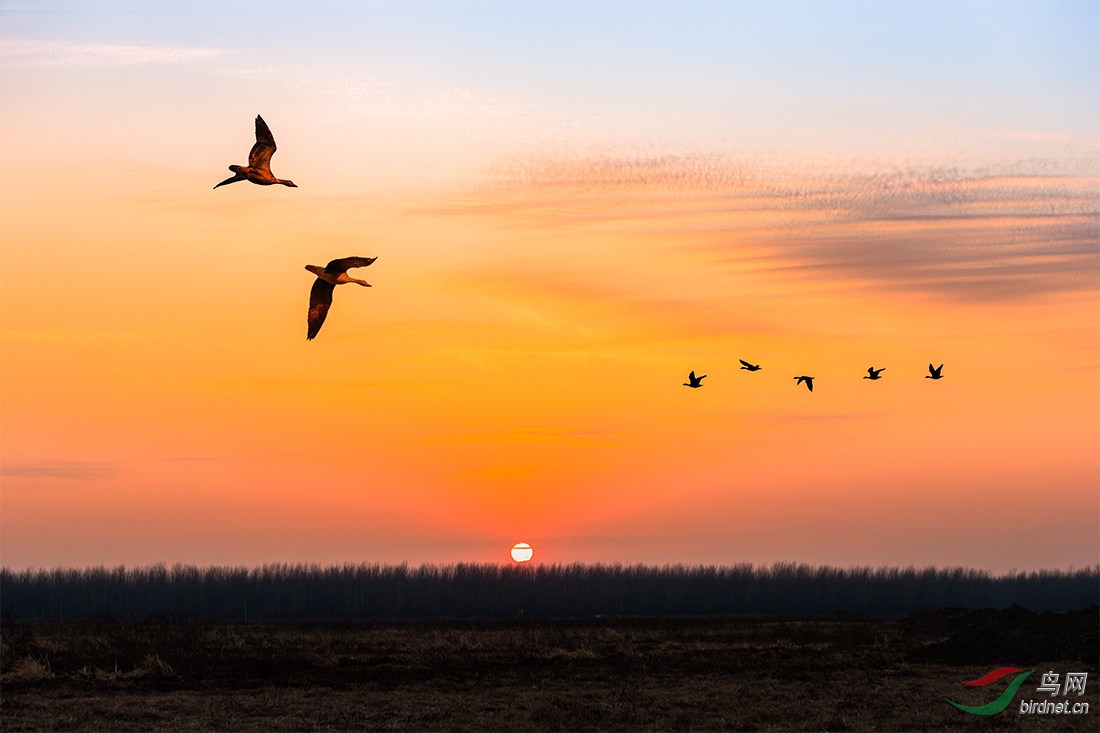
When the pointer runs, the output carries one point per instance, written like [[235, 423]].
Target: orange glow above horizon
[[517, 369]]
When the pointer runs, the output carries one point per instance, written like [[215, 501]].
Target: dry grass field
[[600, 674]]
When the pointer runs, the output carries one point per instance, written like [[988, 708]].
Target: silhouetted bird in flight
[[808, 380], [750, 367], [258, 169], [934, 372], [696, 382], [873, 373], [328, 277]]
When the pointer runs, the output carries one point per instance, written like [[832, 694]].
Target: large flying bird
[[750, 367], [328, 277], [258, 169], [808, 380], [695, 382], [873, 373], [934, 372]]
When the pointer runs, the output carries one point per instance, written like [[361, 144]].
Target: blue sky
[[903, 78]]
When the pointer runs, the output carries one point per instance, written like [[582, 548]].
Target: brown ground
[[603, 674]]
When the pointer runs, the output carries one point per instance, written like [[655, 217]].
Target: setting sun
[[522, 552]]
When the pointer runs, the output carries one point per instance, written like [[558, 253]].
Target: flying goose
[[873, 373], [696, 382], [934, 372], [258, 169], [750, 367], [808, 380], [328, 277]]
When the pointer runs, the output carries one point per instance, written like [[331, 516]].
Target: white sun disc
[[522, 552]]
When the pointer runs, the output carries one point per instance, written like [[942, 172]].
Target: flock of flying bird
[[934, 372], [335, 273]]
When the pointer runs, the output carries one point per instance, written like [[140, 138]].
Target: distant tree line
[[312, 592]]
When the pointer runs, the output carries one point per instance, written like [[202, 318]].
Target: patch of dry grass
[[28, 669]]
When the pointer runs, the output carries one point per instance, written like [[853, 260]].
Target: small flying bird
[[873, 373], [258, 169], [328, 277], [696, 382], [934, 372], [808, 380], [750, 367]]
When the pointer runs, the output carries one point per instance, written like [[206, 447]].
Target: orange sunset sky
[[572, 206]]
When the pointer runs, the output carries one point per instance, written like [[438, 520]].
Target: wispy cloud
[[991, 233], [1047, 137], [75, 470], [21, 53]]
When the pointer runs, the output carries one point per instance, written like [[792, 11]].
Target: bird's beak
[[292, 184]]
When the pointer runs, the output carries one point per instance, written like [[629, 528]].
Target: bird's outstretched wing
[[232, 179], [744, 362], [260, 155], [691, 376], [810, 384], [346, 263], [320, 299]]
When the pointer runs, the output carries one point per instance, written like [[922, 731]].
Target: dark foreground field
[[600, 674]]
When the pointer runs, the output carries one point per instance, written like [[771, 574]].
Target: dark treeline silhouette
[[312, 592]]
